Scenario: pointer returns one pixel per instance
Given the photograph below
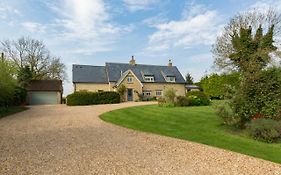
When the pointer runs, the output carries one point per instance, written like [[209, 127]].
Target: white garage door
[[42, 97]]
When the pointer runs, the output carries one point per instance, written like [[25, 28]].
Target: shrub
[[259, 94], [267, 130], [226, 113], [121, 91], [182, 101], [198, 98], [19, 96], [161, 101], [89, 98], [170, 95]]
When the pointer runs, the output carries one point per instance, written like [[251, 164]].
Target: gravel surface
[[73, 140]]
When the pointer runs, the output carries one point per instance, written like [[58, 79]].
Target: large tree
[[34, 54], [228, 51], [249, 44]]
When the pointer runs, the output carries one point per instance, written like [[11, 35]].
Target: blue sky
[[99, 31]]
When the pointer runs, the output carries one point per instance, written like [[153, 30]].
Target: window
[[146, 93], [158, 92], [171, 79], [149, 78], [130, 79]]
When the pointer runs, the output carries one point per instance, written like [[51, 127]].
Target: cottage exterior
[[140, 80]]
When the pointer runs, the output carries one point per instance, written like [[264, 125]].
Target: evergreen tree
[[188, 79]]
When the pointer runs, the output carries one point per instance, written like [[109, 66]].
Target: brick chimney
[[132, 61], [170, 64]]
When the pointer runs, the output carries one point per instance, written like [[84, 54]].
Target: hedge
[[90, 98]]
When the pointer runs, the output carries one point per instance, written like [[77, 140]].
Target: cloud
[[136, 5], [86, 22], [33, 27], [7, 11], [197, 26]]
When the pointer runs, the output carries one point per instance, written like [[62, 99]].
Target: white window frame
[[171, 79], [159, 92], [146, 93], [130, 79], [149, 78]]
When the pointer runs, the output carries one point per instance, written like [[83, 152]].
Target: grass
[[198, 124], [11, 110]]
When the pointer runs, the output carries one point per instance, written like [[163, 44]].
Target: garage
[[44, 92]]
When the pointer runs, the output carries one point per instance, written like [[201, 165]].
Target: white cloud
[[197, 26], [86, 22], [33, 27], [6, 11], [135, 5]]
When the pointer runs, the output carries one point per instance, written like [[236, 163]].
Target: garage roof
[[45, 85]]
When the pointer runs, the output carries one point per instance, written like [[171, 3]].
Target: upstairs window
[[130, 79], [171, 79], [149, 78]]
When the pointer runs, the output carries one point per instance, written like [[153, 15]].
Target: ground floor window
[[146, 93], [158, 92]]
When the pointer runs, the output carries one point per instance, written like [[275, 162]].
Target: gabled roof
[[112, 72], [89, 74], [114, 69], [124, 76], [45, 85]]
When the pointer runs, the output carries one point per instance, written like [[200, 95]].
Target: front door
[[130, 94]]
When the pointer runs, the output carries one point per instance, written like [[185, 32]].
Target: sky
[[97, 31]]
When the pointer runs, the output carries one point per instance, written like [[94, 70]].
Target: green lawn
[[11, 110], [198, 124]]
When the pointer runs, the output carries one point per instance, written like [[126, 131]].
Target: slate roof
[[45, 85], [89, 74], [113, 71]]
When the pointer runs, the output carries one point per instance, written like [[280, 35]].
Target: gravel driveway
[[73, 140]]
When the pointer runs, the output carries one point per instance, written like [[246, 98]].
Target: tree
[[239, 31], [121, 91], [24, 76], [33, 53], [188, 79], [247, 45], [7, 82], [220, 86]]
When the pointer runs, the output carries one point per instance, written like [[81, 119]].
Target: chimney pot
[[132, 61], [170, 64]]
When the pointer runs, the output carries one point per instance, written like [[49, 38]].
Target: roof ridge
[[86, 65], [139, 64]]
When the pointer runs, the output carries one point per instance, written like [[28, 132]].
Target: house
[[140, 80], [44, 92]]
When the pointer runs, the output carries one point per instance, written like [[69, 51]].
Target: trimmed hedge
[[91, 98]]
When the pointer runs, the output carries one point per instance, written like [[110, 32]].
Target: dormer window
[[149, 78], [171, 79]]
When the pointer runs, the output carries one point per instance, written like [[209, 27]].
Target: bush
[[266, 130], [259, 94], [225, 112], [161, 101], [182, 101], [198, 98], [89, 98], [19, 97], [170, 96]]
